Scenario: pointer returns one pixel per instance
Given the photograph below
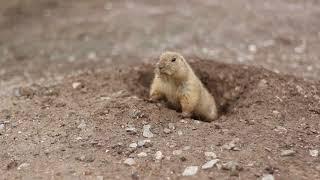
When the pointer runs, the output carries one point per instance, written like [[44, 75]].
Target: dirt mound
[[87, 126]]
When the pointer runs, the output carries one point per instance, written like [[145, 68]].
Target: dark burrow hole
[[225, 82]]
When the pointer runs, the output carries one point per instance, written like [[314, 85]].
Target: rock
[[210, 164], [23, 91], [166, 130], [233, 167], [171, 126], [158, 155], [289, 152], [231, 145], [186, 148], [142, 154], [129, 162], [210, 155], [23, 165], [133, 145], [252, 48], [99, 177], [86, 158], [267, 177], [177, 152], [280, 130], [131, 129], [190, 171], [82, 125], [262, 83], [92, 56], [144, 143], [76, 85], [146, 131], [314, 153], [180, 133], [1, 127]]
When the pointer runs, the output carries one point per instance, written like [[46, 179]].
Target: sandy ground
[[74, 77]]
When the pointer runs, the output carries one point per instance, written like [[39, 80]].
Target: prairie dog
[[175, 81]]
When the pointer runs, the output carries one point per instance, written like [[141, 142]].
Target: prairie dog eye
[[173, 59]]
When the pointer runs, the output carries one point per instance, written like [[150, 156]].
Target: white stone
[[210, 154], [133, 145], [142, 154], [158, 155], [129, 162], [177, 152], [210, 164], [146, 131], [190, 171], [267, 177], [76, 85], [314, 153], [23, 165]]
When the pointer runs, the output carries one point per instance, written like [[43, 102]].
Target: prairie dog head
[[172, 64]]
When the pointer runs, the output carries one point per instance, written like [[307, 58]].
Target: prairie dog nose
[[161, 66]]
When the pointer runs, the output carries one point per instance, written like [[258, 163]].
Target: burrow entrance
[[226, 82]]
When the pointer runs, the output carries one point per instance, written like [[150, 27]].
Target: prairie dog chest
[[172, 91]]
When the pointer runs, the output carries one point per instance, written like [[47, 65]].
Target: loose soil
[[74, 75]]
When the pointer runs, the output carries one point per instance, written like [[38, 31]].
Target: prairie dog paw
[[186, 115]]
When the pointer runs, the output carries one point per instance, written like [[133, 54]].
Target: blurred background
[[48, 39]]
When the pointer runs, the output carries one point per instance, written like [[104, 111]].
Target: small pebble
[[231, 145], [171, 126], [144, 143], [142, 154], [177, 152], [158, 155], [146, 131], [131, 130], [190, 171], [267, 177], [233, 167], [129, 162], [133, 145], [186, 148], [289, 152], [82, 125], [252, 48], [99, 177], [1, 127], [210, 155], [135, 114], [76, 85], [166, 130], [23, 165], [314, 153], [210, 164], [86, 158]]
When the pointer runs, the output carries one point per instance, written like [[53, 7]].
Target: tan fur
[[177, 83]]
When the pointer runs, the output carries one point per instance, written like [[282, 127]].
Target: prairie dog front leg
[[188, 101]]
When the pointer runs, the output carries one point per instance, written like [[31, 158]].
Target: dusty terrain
[[74, 77]]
